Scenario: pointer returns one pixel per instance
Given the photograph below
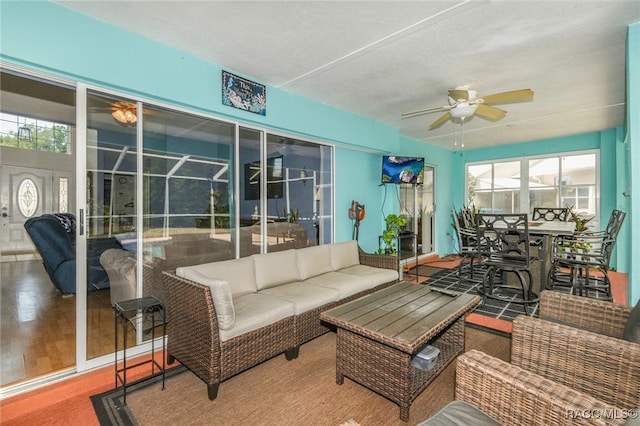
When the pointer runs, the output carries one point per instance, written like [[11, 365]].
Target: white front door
[[24, 193]]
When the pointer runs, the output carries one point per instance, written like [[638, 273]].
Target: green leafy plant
[[466, 217], [293, 216], [579, 219], [581, 227], [394, 225]]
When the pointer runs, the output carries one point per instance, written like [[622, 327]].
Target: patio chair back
[[550, 213]]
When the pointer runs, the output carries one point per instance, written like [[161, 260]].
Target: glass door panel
[[110, 212], [295, 179], [426, 210], [250, 205], [323, 205], [37, 167], [417, 206], [187, 194]]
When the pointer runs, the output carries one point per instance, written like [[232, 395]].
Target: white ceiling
[[379, 59]]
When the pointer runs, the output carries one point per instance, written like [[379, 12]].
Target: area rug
[[298, 392], [109, 405], [492, 308]]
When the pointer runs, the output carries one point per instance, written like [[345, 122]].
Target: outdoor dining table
[[548, 230]]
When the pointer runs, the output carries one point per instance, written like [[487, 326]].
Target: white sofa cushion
[[375, 276], [346, 284], [273, 269], [344, 254], [304, 297], [239, 273], [254, 311], [314, 260]]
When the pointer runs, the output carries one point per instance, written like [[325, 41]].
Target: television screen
[[275, 182], [402, 169]]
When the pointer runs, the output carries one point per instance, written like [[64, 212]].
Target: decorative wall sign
[[243, 94]]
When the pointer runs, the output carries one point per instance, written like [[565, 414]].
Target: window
[[27, 198], [521, 185], [29, 133]]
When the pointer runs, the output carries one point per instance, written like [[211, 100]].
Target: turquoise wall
[[86, 50], [82, 49], [445, 188]]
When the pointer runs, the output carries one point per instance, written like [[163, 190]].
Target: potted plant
[[579, 219], [577, 243], [394, 225]]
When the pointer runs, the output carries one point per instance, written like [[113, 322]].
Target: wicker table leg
[[404, 412]]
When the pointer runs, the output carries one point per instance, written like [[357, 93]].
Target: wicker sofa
[[229, 316]]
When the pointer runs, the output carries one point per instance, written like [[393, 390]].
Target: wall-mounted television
[[402, 169], [275, 179]]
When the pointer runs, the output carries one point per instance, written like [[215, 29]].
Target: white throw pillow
[[222, 298], [223, 302]]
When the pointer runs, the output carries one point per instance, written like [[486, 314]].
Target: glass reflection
[[187, 194], [110, 217], [296, 183]]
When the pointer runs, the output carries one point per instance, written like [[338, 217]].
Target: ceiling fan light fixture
[[463, 110], [125, 116]]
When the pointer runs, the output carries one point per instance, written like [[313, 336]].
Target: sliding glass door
[[110, 216], [147, 188], [169, 204], [417, 205]]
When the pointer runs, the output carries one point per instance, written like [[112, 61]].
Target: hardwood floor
[[38, 331]]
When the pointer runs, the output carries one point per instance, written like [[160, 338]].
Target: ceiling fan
[[464, 103], [123, 112]]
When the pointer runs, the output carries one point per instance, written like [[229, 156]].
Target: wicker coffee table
[[378, 334]]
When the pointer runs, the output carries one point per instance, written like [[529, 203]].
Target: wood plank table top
[[404, 316], [553, 227]]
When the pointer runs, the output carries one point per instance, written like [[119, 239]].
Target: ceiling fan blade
[[458, 94], [489, 112], [440, 121], [522, 95], [424, 111]]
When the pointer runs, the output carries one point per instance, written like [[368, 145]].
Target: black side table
[[145, 305]]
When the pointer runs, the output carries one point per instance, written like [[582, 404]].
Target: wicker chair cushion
[[375, 276], [273, 269], [313, 261], [254, 311], [304, 297], [632, 329], [344, 255], [346, 284], [459, 413], [239, 273]]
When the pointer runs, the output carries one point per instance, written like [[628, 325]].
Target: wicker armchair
[[579, 343], [511, 395], [575, 370]]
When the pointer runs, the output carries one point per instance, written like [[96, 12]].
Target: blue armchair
[[54, 236]]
